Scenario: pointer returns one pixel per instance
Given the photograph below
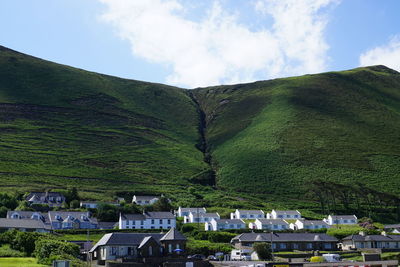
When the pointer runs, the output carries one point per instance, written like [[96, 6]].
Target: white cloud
[[219, 49], [388, 55]]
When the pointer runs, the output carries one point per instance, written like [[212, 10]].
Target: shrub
[[45, 249], [263, 250], [25, 241]]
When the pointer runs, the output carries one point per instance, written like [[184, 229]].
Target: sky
[[192, 43]]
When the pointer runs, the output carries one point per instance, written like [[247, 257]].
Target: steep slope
[[62, 126], [288, 139]]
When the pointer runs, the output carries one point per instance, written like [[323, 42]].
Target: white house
[[308, 224], [94, 204], [147, 220], [247, 214], [182, 212], [341, 219], [284, 214], [269, 224], [225, 224], [144, 200], [200, 217]]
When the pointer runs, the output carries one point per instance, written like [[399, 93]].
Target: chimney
[[384, 233], [361, 233]]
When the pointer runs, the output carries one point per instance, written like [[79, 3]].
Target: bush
[[186, 228], [46, 249], [25, 242], [263, 250], [6, 251]]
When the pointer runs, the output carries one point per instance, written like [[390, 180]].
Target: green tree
[[163, 204], [25, 241], [74, 204], [263, 250], [46, 249]]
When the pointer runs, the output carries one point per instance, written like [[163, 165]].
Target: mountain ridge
[[268, 143]]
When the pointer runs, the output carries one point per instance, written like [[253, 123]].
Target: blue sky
[[192, 43]]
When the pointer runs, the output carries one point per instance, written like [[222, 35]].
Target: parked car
[[240, 255], [197, 257], [211, 258]]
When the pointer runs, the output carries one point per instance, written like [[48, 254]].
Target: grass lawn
[[19, 262]]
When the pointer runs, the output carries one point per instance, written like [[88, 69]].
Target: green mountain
[[324, 143]]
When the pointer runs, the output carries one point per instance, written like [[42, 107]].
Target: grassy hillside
[[62, 126], [283, 137], [320, 143]]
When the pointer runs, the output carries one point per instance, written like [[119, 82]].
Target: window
[[309, 245], [150, 251], [282, 246], [345, 221], [170, 248], [147, 202], [160, 221], [275, 226], [239, 226], [114, 251], [141, 222], [328, 246], [206, 219], [152, 221], [251, 216], [169, 221], [152, 227], [295, 216], [231, 226], [295, 246]]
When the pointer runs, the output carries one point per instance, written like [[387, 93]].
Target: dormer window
[[57, 217], [15, 216]]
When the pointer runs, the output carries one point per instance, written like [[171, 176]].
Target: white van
[[240, 255]]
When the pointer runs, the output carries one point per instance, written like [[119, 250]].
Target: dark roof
[[133, 217], [159, 215], [391, 226], [145, 197], [313, 222], [134, 239], [22, 223], [384, 238], [193, 209], [284, 237], [173, 234], [343, 217], [106, 225], [28, 214], [290, 212], [251, 211]]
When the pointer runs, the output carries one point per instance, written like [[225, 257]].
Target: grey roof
[[313, 222], [273, 221], [343, 217], [284, 237], [251, 211], [386, 238], [133, 217], [289, 212], [391, 226], [28, 214], [22, 223], [124, 239], [106, 225], [73, 214], [159, 215], [144, 241], [209, 214], [192, 209], [173, 234], [229, 221]]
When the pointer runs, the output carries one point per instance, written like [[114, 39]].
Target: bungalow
[[225, 224], [308, 224], [182, 212], [146, 248], [71, 220], [25, 225], [269, 224], [362, 241], [247, 214], [144, 200], [284, 214], [341, 219], [287, 241], [52, 199], [147, 220], [200, 217]]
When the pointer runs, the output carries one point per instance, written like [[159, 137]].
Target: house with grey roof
[[63, 220], [25, 225], [287, 241], [341, 219], [27, 215], [195, 217], [309, 225], [363, 241], [247, 214], [284, 214], [94, 204], [145, 200], [147, 220], [269, 224], [182, 212], [225, 224], [52, 199], [146, 248]]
